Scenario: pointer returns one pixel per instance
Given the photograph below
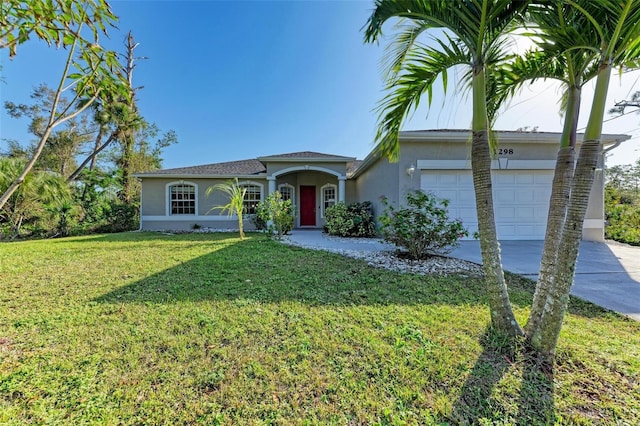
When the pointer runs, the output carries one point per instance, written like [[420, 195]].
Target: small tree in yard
[[275, 215], [422, 227], [236, 194]]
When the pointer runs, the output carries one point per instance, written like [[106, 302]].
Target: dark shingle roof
[[305, 154], [247, 167], [353, 166], [230, 168]]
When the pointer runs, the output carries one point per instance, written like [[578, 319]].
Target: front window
[[286, 191], [328, 197], [183, 199], [251, 198]]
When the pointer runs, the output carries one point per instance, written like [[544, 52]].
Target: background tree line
[[622, 203], [622, 191], [76, 175]]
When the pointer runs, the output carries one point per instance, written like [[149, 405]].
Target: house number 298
[[505, 151]]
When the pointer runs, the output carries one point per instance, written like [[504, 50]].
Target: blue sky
[[241, 79]]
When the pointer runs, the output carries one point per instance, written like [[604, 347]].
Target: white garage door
[[520, 198]]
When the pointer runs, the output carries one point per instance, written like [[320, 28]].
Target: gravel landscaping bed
[[394, 261]]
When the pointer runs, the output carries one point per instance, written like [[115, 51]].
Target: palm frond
[[423, 67], [397, 50]]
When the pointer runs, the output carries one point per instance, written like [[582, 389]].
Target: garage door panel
[[466, 179], [448, 179], [503, 179], [505, 196], [542, 196], [545, 179], [525, 196], [429, 180], [451, 195], [507, 232], [468, 195], [505, 213], [521, 199], [525, 213]]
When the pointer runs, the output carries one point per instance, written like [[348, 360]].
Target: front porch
[[311, 189]]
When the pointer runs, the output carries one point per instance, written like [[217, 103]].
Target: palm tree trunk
[[546, 339], [502, 317], [240, 226], [558, 203], [555, 305]]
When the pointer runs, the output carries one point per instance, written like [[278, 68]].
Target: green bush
[[422, 227], [119, 217], [355, 220], [623, 216], [623, 224], [261, 216], [274, 215]]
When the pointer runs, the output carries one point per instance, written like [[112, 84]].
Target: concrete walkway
[[607, 274]]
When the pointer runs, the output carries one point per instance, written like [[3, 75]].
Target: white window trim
[[293, 191], [250, 182], [168, 198], [322, 199]]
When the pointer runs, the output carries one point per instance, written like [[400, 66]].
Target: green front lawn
[[141, 328]]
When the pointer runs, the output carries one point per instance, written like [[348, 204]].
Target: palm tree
[[565, 60], [473, 37], [236, 194], [616, 25]]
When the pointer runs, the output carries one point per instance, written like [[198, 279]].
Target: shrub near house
[[354, 220], [274, 215], [422, 226]]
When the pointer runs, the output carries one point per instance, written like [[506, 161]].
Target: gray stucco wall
[[154, 206], [380, 179]]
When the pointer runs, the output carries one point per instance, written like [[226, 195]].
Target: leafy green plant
[[236, 194], [261, 217], [27, 206], [65, 214], [623, 217], [354, 220], [274, 215], [118, 217], [422, 227]]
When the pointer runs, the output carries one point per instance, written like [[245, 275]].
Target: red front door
[[307, 206]]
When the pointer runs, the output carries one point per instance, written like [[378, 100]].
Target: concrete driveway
[[607, 274]]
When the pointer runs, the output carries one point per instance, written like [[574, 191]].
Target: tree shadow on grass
[[262, 270], [146, 236], [501, 355], [266, 271]]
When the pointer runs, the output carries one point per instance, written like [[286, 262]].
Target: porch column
[[341, 189], [272, 184]]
